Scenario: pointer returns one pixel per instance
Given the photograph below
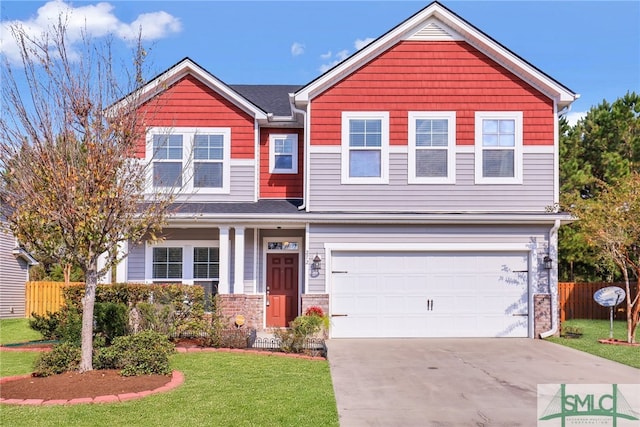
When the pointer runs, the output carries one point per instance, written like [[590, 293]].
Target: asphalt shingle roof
[[260, 207], [270, 98]]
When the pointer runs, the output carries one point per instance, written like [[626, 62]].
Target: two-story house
[[406, 190]]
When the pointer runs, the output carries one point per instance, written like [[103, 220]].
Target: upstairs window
[[191, 159], [498, 147], [167, 166], [365, 147], [283, 153], [208, 161], [432, 147]]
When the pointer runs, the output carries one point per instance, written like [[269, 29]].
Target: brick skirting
[[542, 314], [251, 307]]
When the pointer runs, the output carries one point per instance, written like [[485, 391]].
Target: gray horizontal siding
[[13, 276], [326, 193], [242, 187], [320, 235], [135, 263]]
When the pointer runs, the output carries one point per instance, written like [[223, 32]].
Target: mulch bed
[[73, 385]]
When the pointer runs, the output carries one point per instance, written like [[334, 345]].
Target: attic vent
[[435, 31]]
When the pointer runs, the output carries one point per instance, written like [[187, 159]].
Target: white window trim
[[187, 259], [451, 147], [188, 161], [272, 153], [384, 149], [517, 161]]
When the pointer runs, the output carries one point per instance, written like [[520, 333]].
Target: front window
[[499, 148], [167, 263], [432, 147], [206, 263], [283, 153], [365, 147]]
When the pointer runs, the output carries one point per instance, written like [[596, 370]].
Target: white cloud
[[96, 20], [573, 117], [297, 49], [341, 55], [326, 55], [360, 43], [338, 58]]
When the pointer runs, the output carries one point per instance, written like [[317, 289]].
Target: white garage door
[[428, 294]]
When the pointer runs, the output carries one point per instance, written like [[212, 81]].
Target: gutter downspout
[[305, 166], [553, 281]]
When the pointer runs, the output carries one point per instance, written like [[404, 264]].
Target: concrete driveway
[[455, 382]]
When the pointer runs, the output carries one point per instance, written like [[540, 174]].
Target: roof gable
[[188, 67], [436, 22]]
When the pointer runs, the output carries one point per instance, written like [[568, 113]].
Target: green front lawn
[[593, 330], [220, 389], [17, 330]]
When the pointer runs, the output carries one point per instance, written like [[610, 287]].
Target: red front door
[[282, 289]]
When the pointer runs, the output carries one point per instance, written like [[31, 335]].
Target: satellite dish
[[609, 296]]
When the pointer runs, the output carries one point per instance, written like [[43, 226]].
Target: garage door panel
[[470, 294]]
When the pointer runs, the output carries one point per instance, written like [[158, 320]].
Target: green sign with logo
[[586, 403]]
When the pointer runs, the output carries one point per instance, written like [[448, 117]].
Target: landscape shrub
[[64, 325], [111, 321], [302, 328], [176, 310], [144, 353], [62, 358], [46, 324]]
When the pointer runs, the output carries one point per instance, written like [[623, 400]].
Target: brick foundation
[[320, 300], [249, 306], [252, 307], [542, 314]]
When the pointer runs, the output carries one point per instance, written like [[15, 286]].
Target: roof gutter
[[553, 281], [305, 166]]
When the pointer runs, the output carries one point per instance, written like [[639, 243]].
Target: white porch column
[[238, 282], [121, 269], [223, 278]]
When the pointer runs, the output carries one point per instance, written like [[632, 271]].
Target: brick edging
[[177, 378]]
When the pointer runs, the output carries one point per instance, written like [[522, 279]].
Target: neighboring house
[[14, 273], [406, 190]]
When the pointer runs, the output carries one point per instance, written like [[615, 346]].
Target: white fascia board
[[208, 220], [26, 256], [469, 33], [171, 76]]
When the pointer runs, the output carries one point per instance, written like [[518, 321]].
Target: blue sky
[[592, 47]]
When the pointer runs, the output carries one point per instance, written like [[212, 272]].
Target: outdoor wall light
[[548, 262], [315, 265]]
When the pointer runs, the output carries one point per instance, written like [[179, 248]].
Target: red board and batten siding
[[432, 76], [190, 103], [280, 186]]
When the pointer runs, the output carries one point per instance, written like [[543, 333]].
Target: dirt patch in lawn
[[74, 385]]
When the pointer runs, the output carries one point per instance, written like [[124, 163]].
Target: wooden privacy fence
[[44, 296], [576, 301]]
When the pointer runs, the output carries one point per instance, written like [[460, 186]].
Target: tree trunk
[[633, 310], [630, 328], [88, 302]]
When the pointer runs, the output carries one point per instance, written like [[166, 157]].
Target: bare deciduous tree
[[70, 184]]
